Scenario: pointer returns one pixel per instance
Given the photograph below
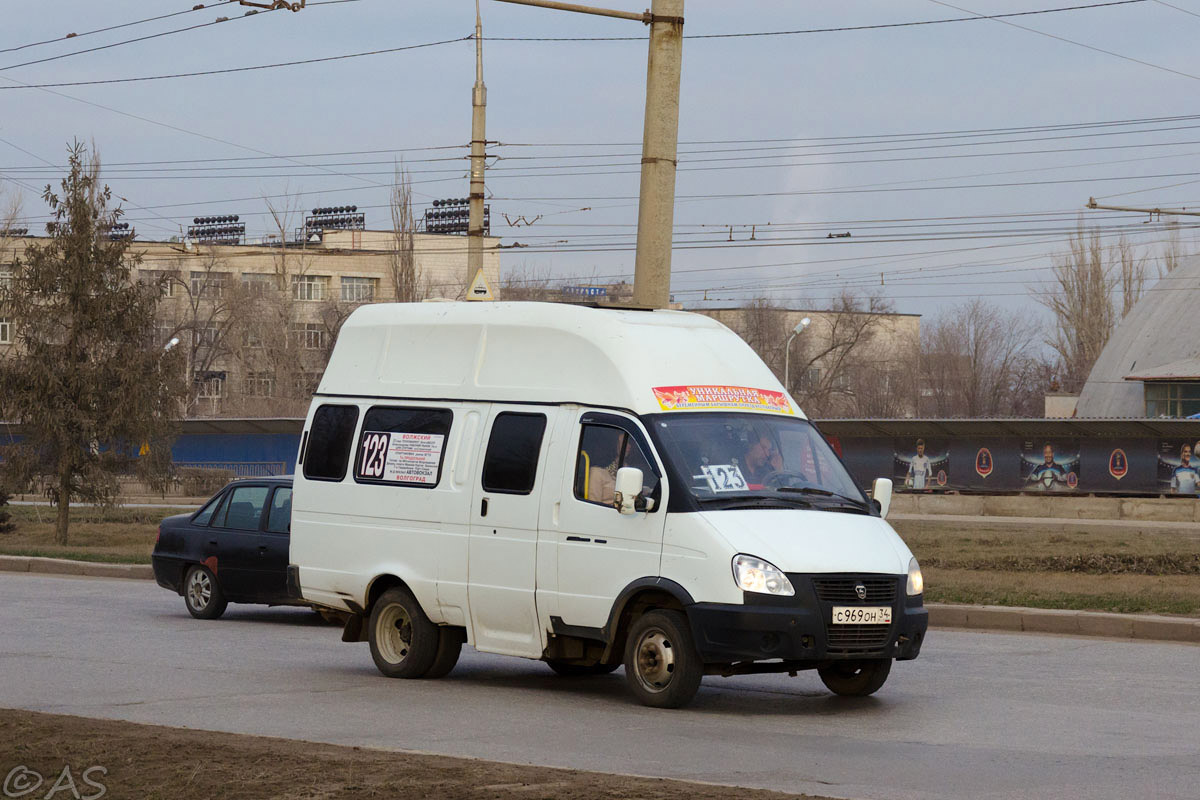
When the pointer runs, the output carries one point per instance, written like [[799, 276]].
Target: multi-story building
[[257, 322], [844, 362]]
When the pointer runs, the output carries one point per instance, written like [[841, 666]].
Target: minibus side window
[[510, 464], [329, 442], [602, 451], [402, 446]]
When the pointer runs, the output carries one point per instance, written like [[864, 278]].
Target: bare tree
[[207, 308], [407, 283], [834, 352], [1133, 274], [1082, 305], [975, 362]]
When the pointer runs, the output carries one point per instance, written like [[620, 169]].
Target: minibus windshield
[[729, 459]]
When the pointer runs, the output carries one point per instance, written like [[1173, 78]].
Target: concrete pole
[[478, 144], [656, 207]]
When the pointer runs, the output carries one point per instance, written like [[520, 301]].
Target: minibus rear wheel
[[855, 678], [404, 643], [661, 662]]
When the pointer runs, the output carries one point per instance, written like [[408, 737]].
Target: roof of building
[[546, 353], [1158, 332], [1186, 369]]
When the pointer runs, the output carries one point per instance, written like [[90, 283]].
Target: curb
[[62, 566], [1148, 627], [975, 618]]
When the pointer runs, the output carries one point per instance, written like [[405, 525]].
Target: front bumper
[[799, 628]]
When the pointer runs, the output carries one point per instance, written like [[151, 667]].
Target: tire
[[404, 643], [580, 670], [202, 593], [855, 678], [450, 642], [661, 662]]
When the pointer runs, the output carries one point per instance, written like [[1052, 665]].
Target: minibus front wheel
[[661, 662], [404, 643]]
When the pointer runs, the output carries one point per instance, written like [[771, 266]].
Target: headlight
[[755, 575], [916, 583]]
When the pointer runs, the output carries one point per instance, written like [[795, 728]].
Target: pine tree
[[92, 393]]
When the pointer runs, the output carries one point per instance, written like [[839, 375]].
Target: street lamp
[[787, 351]]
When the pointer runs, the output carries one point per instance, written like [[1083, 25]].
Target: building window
[[209, 284], [5, 331], [254, 337], [810, 379], [305, 384], [209, 385], [5, 278], [309, 335], [259, 384], [153, 276], [208, 336], [359, 290], [258, 284], [310, 287], [1172, 399]]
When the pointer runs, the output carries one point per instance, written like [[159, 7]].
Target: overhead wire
[[840, 29], [1070, 41]]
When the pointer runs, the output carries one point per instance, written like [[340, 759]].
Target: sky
[[958, 155]]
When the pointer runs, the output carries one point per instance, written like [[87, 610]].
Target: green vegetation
[[1128, 571], [110, 535]]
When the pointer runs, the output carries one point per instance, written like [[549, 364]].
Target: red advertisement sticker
[[721, 398]]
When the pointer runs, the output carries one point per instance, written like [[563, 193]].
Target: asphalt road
[[978, 715]]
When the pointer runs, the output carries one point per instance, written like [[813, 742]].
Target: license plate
[[862, 615]]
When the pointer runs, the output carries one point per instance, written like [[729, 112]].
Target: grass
[[113, 535], [1120, 570], [1125, 571]]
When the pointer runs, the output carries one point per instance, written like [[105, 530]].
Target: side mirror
[[627, 489], [881, 495]]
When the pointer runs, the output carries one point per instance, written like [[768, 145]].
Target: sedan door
[[241, 547]]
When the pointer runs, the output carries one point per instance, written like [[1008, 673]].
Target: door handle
[[262, 549], [483, 507], [212, 542]]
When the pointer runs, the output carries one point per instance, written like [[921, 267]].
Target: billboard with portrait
[[921, 465], [1179, 467], [1050, 465]]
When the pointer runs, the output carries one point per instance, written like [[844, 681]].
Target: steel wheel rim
[[655, 661], [199, 590], [393, 634]]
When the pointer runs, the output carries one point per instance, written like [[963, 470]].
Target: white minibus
[[593, 488]]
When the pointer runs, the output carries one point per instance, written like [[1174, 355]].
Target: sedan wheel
[[203, 594]]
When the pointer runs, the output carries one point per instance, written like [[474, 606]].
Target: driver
[[762, 458]]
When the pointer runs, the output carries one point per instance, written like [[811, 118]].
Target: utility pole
[[478, 155], [1091, 203], [660, 142]]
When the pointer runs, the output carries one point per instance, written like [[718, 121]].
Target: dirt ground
[[149, 762]]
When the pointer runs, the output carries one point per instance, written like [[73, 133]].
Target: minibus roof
[[643, 361]]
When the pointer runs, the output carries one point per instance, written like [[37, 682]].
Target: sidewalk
[[1147, 627]]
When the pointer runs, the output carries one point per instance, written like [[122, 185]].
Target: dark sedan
[[233, 550]]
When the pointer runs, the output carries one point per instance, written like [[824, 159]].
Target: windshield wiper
[[755, 499], [824, 493]]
